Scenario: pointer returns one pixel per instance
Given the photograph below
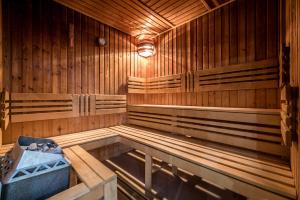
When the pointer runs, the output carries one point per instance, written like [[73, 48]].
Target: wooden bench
[[87, 139], [251, 177], [247, 128], [97, 180]]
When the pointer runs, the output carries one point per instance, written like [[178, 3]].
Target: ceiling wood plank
[[205, 4], [183, 10], [141, 20], [148, 21], [154, 14], [171, 6], [216, 2], [204, 13], [93, 13], [137, 17]]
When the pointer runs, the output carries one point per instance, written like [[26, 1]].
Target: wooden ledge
[[97, 180], [89, 140]]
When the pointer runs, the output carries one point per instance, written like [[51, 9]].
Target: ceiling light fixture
[[146, 48]]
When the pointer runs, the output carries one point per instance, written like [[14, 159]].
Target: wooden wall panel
[[241, 32], [1, 56], [38, 58], [291, 38]]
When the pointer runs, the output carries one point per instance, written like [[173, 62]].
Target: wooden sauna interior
[[212, 114]]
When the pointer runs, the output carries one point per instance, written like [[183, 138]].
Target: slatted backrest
[[261, 74], [107, 104], [136, 85], [164, 84], [42, 106], [254, 129]]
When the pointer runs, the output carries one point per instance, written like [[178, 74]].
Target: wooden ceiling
[[137, 17]]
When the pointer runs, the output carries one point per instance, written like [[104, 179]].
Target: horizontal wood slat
[[254, 129], [256, 75], [164, 84], [42, 106], [107, 104], [136, 85]]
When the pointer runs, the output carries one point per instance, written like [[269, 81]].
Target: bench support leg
[[148, 174], [174, 170], [73, 178], [110, 190]]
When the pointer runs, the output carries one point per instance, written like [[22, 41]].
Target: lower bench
[[97, 180], [253, 178], [89, 140]]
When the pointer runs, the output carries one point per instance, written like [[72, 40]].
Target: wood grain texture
[[38, 59], [228, 36], [290, 37], [1, 46], [138, 16], [255, 129]]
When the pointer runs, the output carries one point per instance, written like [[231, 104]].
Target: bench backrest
[[42, 106], [164, 84], [23, 107], [254, 129], [107, 104], [260, 74]]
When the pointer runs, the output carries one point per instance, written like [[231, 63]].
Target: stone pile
[[44, 147]]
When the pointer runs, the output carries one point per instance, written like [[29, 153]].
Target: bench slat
[[72, 193], [100, 169], [85, 173]]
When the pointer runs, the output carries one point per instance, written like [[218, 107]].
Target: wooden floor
[[130, 169]]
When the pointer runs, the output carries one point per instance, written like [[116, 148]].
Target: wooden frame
[[97, 180], [261, 74]]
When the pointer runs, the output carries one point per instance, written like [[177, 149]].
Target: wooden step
[[262, 177]]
